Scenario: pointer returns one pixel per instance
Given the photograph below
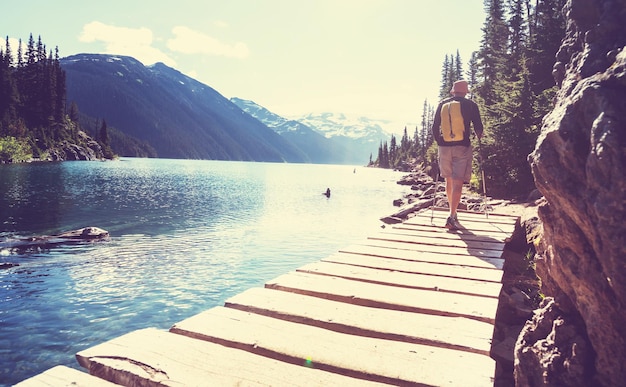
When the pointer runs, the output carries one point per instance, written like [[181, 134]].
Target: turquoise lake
[[185, 236]]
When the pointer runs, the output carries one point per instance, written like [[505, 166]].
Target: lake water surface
[[185, 236]]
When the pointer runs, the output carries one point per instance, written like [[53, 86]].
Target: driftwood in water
[[87, 234]]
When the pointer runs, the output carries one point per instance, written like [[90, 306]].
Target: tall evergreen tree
[[458, 67], [547, 29], [103, 134], [404, 142], [393, 151], [426, 132], [472, 72], [492, 53], [33, 100], [445, 78]]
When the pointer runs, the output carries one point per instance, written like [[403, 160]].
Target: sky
[[379, 59]]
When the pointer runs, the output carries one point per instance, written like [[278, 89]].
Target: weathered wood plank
[[424, 218], [439, 331], [454, 250], [386, 361], [151, 357], [64, 376], [437, 240], [407, 280], [388, 297], [410, 266], [422, 256], [439, 232], [493, 217], [472, 226], [442, 232]]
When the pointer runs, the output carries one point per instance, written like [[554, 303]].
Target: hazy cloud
[[135, 42], [187, 41]]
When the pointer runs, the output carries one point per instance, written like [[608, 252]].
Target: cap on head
[[460, 87]]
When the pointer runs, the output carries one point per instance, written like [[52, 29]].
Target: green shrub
[[13, 150]]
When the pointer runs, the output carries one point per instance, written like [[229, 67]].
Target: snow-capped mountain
[[338, 124], [358, 136], [277, 123], [318, 148]]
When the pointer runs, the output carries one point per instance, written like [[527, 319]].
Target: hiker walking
[[451, 130]]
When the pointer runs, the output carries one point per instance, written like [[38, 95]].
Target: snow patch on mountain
[[273, 121], [328, 124], [338, 124]]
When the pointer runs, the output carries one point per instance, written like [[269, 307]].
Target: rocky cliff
[[578, 336], [84, 148]]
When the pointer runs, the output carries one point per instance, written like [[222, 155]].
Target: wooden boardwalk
[[414, 304]]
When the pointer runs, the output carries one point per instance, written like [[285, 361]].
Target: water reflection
[[185, 236], [28, 193]]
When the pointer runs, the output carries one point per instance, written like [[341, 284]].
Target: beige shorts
[[456, 162]]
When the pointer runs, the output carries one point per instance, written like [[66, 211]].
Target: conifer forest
[[511, 79], [34, 118]]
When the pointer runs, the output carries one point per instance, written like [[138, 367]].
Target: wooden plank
[[454, 250], [154, 357], [499, 236], [472, 226], [472, 215], [407, 266], [64, 376], [386, 361], [408, 280], [388, 297], [423, 256], [423, 218], [439, 331], [439, 232], [437, 240]]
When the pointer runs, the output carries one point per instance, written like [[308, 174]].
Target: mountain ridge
[[356, 138], [179, 116]]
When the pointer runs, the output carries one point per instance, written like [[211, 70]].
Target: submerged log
[[86, 234]]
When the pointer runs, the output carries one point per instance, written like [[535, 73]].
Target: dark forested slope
[[177, 115]]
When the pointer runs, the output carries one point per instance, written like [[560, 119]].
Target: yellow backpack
[[452, 125]]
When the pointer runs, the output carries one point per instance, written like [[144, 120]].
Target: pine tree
[[103, 134], [458, 68], [383, 155], [445, 78], [393, 152], [416, 143], [512, 97], [33, 99], [20, 56], [404, 142], [492, 53], [73, 112], [9, 96], [426, 132], [472, 73], [547, 28]]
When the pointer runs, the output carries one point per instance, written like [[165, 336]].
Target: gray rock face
[[579, 165], [553, 350]]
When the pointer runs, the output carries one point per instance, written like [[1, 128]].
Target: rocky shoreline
[[427, 191]]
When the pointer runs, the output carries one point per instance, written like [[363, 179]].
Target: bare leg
[[454, 189]]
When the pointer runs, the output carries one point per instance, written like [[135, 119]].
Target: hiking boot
[[451, 224], [457, 225]]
